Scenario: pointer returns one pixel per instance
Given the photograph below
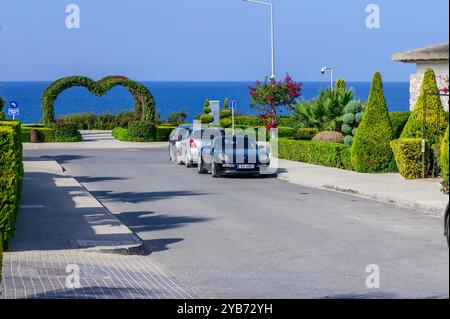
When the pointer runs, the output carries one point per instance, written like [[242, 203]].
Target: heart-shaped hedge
[[144, 101]]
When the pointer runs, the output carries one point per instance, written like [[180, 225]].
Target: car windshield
[[239, 142]]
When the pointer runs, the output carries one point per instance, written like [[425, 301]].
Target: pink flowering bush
[[269, 96]]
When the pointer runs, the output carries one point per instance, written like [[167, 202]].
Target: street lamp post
[[272, 26], [324, 69]]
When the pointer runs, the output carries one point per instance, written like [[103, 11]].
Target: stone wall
[[416, 84]]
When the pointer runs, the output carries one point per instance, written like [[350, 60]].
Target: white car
[[190, 147], [176, 142]]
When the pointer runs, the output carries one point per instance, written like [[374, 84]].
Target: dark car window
[[235, 143]]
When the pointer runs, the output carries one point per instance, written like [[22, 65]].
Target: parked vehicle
[[233, 155], [190, 147], [175, 143], [446, 225]]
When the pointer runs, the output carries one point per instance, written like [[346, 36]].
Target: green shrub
[[319, 153], [11, 176], [444, 161], [399, 120], [248, 121], [2, 114], [354, 113], [44, 134], [90, 121], [176, 118], [142, 131], [329, 137], [65, 132], [340, 84], [226, 115], [414, 126], [163, 133], [206, 118], [121, 134], [286, 132], [305, 133], [409, 157], [371, 149]]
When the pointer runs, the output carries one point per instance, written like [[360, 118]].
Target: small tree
[[206, 117], [340, 85], [432, 102], [371, 151], [270, 95], [225, 115], [2, 104]]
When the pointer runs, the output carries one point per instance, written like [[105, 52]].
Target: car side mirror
[[180, 138]]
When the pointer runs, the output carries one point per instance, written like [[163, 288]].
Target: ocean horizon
[[171, 96]]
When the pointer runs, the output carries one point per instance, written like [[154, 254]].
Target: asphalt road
[[262, 238]]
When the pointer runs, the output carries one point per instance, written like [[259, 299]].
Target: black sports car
[[233, 155]]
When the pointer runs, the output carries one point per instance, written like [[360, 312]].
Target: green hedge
[[255, 121], [444, 161], [11, 176], [319, 153], [141, 131], [305, 134], [162, 134], [399, 120], [144, 101], [90, 121], [371, 149], [44, 134], [409, 157]]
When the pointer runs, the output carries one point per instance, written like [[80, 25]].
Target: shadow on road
[[135, 197]]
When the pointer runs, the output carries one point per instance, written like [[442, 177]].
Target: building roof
[[437, 52]]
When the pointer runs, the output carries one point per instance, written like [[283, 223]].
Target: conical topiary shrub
[[414, 127], [206, 117], [371, 151], [225, 115], [340, 85]]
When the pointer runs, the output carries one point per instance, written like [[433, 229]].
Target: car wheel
[[214, 173], [200, 168], [171, 159]]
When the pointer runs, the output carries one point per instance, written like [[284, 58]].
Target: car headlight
[[264, 158], [224, 158]]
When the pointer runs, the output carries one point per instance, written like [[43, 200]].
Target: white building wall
[[441, 69]]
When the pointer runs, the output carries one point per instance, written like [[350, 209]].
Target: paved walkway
[[424, 195], [95, 140], [63, 230]]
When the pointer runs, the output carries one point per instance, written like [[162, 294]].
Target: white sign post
[[233, 107]]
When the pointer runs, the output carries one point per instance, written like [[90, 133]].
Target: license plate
[[246, 166]]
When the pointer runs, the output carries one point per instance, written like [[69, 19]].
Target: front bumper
[[233, 169]]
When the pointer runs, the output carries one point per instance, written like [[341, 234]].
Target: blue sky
[[195, 40]]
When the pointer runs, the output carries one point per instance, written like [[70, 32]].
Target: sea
[[170, 97]]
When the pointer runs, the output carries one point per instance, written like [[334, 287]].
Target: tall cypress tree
[[371, 151]]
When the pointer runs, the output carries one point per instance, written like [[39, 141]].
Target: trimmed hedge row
[[11, 176], [319, 153], [162, 134], [409, 157], [66, 133]]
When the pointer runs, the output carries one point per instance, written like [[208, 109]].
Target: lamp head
[[323, 70]]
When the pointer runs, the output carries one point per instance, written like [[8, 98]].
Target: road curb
[[424, 208], [135, 248]]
